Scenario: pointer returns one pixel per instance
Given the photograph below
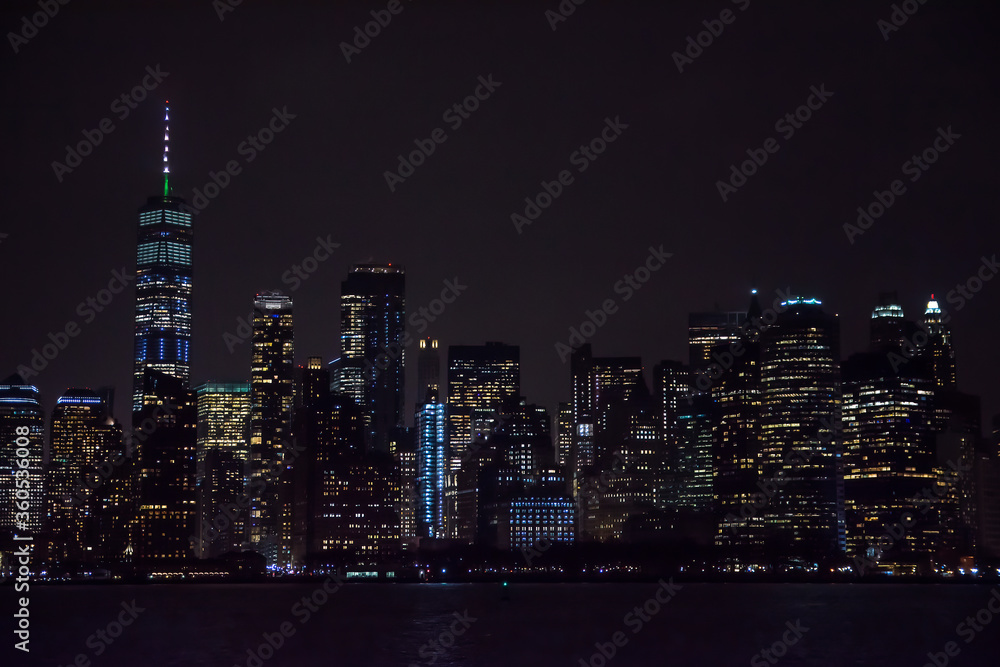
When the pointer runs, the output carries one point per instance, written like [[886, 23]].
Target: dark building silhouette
[[165, 439]]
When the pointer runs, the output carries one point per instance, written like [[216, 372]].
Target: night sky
[[323, 175]]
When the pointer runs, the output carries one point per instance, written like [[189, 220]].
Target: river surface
[[226, 625]]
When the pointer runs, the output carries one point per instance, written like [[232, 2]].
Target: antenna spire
[[166, 150]]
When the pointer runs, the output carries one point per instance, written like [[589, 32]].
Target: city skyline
[[420, 332]]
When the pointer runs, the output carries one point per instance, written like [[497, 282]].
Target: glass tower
[[22, 429], [800, 408], [272, 384], [163, 285], [432, 466], [372, 309]]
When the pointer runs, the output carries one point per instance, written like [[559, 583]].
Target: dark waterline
[[530, 624]]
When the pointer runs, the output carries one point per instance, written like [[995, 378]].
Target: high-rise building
[[939, 347], [671, 385], [372, 324], [429, 368], [312, 382], [221, 472], [601, 388], [83, 437], [800, 440], [166, 432], [346, 497], [480, 379], [272, 383], [22, 487], [736, 444], [432, 465], [403, 448], [889, 459], [163, 285], [706, 332], [692, 473], [564, 434]]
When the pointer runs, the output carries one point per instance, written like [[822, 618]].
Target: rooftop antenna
[[166, 150]]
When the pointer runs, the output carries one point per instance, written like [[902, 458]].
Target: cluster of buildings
[[765, 449]]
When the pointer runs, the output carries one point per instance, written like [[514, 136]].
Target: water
[[540, 624]]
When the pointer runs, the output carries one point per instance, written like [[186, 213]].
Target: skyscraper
[[938, 347], [346, 497], [166, 428], [564, 434], [706, 331], [83, 437], [432, 465], [312, 383], [800, 441], [372, 323], [22, 429], [163, 285], [223, 454], [272, 383], [480, 378], [889, 458], [736, 447]]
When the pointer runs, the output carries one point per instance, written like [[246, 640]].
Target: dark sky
[[656, 184]]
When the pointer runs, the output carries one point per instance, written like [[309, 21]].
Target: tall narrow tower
[[272, 383], [163, 284], [372, 312]]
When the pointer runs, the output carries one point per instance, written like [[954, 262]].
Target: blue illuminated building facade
[[163, 286], [432, 461]]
